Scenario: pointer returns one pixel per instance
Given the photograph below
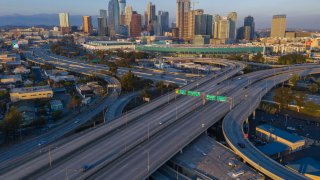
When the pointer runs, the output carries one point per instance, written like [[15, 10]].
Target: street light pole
[[67, 178], [50, 159]]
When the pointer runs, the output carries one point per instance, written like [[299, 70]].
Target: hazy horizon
[[307, 17]]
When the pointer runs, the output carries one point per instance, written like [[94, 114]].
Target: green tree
[[318, 83], [292, 59], [12, 121], [113, 68], [56, 115], [4, 95], [313, 88], [312, 107], [129, 81], [283, 96], [74, 103], [299, 98], [294, 80], [161, 87], [146, 93], [258, 58]]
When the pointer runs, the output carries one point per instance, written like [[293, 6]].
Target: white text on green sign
[[211, 98], [194, 93]]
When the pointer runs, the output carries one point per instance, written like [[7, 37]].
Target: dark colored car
[[241, 145]]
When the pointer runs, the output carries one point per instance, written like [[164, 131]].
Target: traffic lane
[[118, 146], [226, 108], [162, 146], [111, 145], [134, 128], [32, 145]]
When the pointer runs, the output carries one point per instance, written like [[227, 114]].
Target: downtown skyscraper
[[162, 22], [114, 17], [203, 24], [233, 18], [102, 23], [249, 28], [122, 6], [128, 17], [151, 18], [247, 31], [87, 24], [278, 28], [64, 23], [136, 24], [183, 8]]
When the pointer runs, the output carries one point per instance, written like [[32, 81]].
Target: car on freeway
[[241, 145], [85, 168], [77, 121], [42, 142]]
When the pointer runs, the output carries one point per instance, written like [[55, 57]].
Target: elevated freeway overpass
[[98, 135], [233, 130]]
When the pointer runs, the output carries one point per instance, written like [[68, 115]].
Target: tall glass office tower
[[122, 5], [114, 17]]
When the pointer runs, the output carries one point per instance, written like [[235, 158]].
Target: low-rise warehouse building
[[84, 91], [10, 79], [39, 92], [272, 134], [274, 150], [56, 105]]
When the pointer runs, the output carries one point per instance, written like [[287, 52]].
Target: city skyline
[[306, 17]]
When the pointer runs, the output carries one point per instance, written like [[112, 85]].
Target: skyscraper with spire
[[122, 6]]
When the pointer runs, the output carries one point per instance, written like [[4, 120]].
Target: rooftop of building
[[281, 133], [210, 158], [55, 72], [200, 49], [306, 165], [108, 43], [10, 76], [273, 148], [31, 89], [9, 56], [84, 87], [55, 102]]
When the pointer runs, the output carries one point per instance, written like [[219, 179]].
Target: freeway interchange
[[111, 128], [133, 146]]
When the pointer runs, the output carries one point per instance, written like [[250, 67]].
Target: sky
[[300, 13]]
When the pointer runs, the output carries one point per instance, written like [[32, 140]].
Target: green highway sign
[[211, 97], [221, 98], [194, 93], [181, 91]]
